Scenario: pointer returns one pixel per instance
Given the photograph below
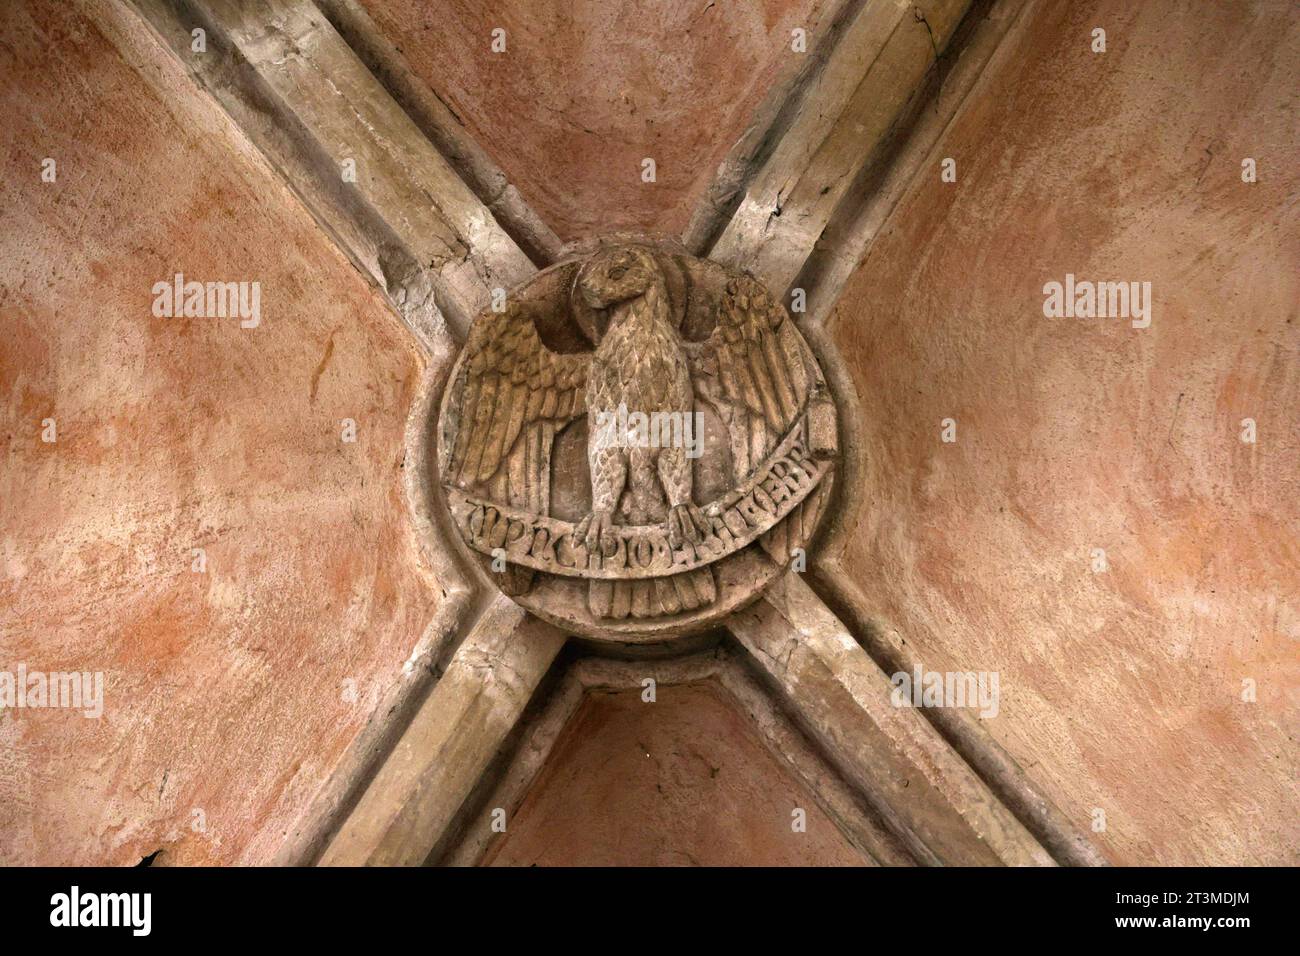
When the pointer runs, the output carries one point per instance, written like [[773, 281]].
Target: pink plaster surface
[[225, 700], [587, 89], [683, 781], [1121, 691]]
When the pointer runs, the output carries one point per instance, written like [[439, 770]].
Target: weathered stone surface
[[772, 116], [225, 700], [444, 129], [933, 800], [989, 30], [635, 442], [1122, 690], [417, 791], [875, 68], [452, 248]]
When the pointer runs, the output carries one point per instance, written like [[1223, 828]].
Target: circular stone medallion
[[635, 443]]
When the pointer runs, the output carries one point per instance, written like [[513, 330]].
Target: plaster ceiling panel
[[173, 434], [587, 89], [1099, 534], [685, 780]]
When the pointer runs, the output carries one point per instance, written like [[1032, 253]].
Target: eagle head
[[615, 275]]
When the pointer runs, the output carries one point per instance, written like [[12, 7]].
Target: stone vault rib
[[418, 790], [444, 129], [302, 95], [292, 85], [728, 668], [867, 121], [931, 798], [874, 70]]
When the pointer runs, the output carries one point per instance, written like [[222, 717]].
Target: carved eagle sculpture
[[516, 394]]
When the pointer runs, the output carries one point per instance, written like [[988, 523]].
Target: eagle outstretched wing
[[515, 393], [756, 372], [752, 370]]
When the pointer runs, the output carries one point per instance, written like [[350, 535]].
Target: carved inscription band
[[642, 551]]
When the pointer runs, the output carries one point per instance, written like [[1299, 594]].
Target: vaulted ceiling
[[323, 610], [586, 90]]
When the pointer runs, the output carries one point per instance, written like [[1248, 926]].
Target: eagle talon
[[682, 525], [596, 529]]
